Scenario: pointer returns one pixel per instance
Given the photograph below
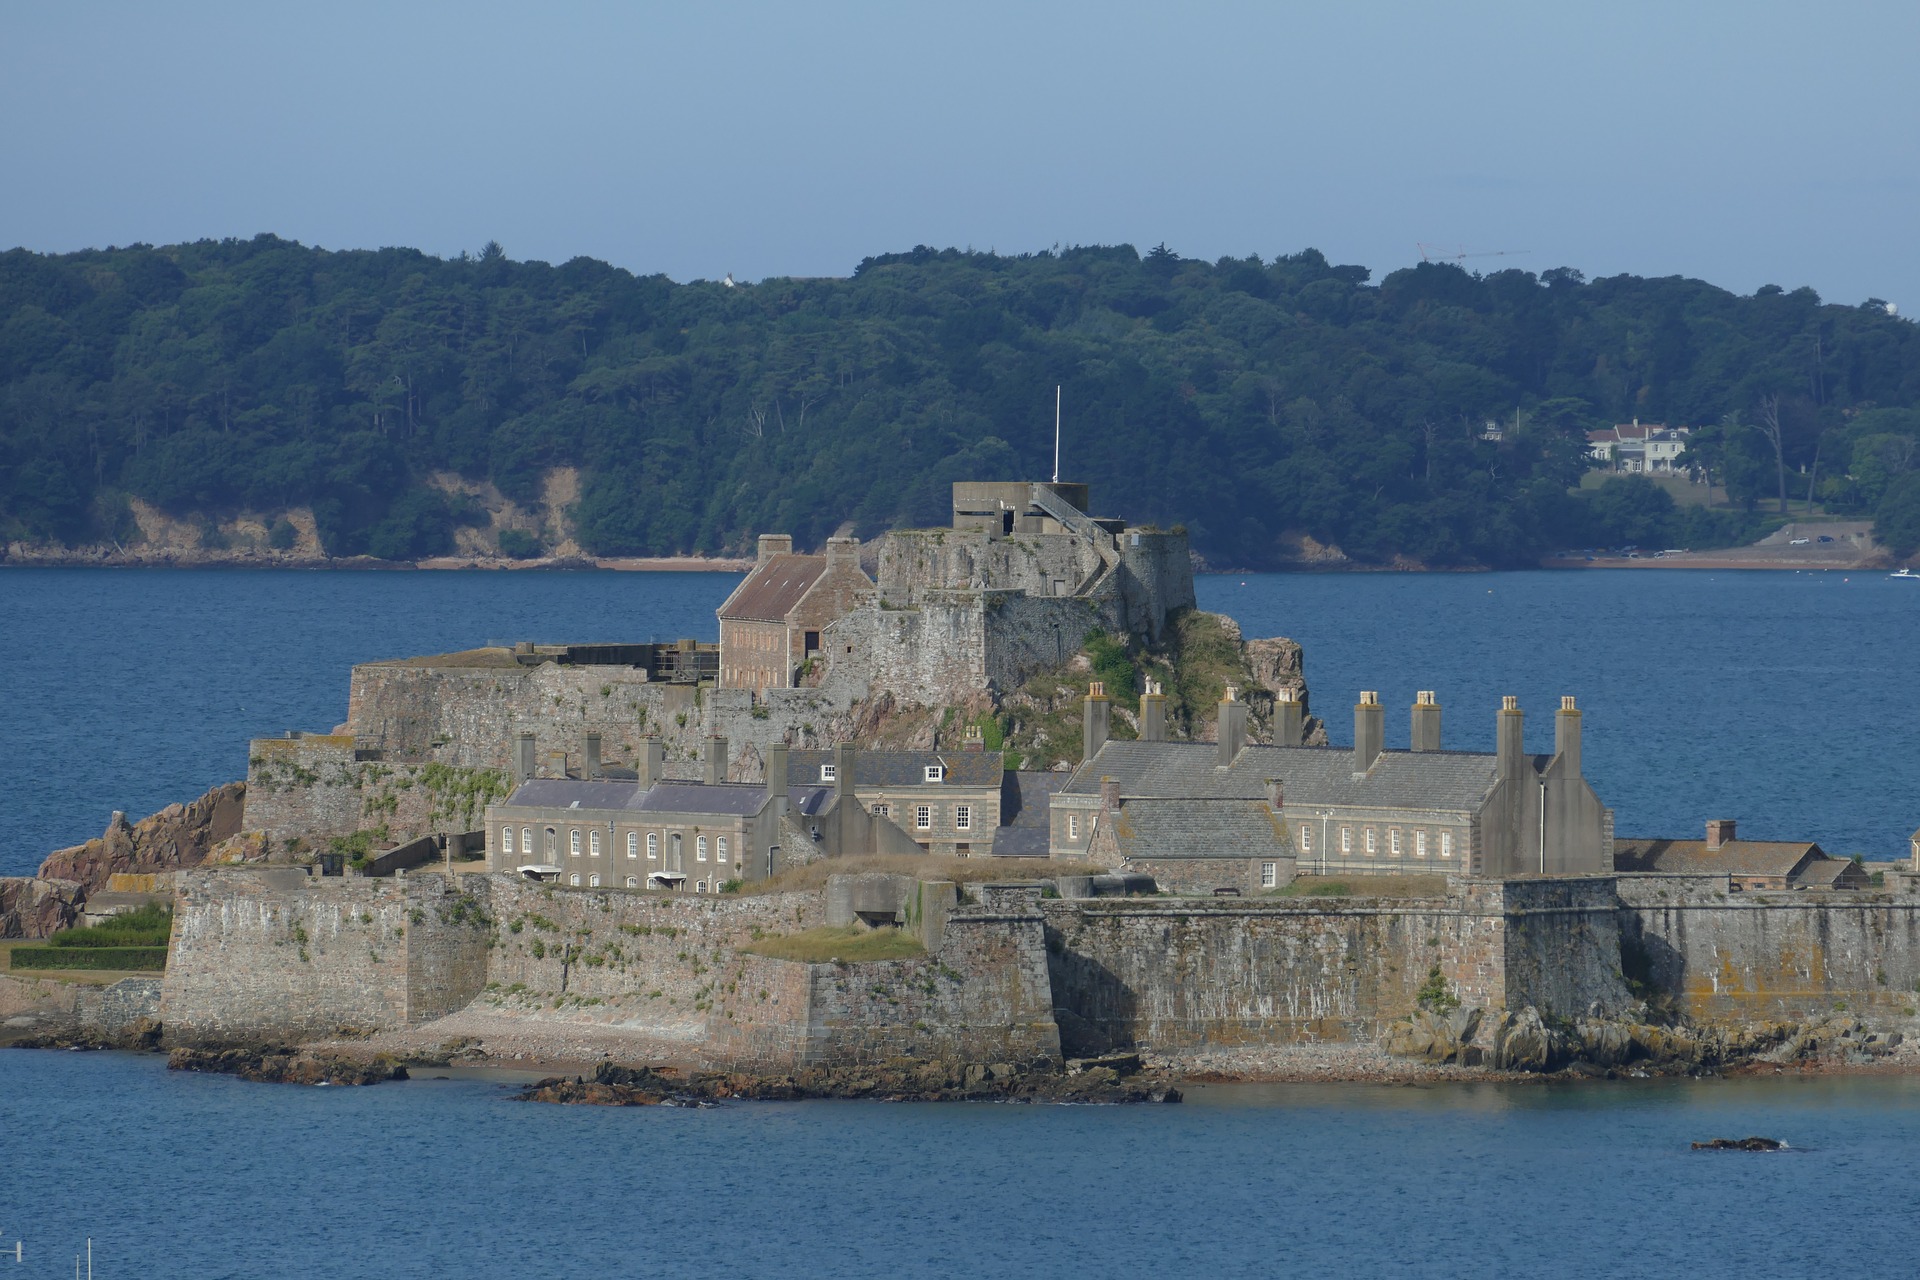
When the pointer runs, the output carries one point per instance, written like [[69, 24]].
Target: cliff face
[[180, 835], [37, 908]]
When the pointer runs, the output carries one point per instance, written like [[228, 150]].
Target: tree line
[[1250, 400]]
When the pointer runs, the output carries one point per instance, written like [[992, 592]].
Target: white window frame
[[506, 840], [653, 846], [963, 817], [923, 817], [633, 844], [574, 879], [593, 843], [1269, 875], [1373, 843], [700, 849], [936, 773], [573, 841], [526, 841], [1346, 839], [593, 881], [1446, 844], [881, 809], [1393, 841], [633, 882], [1419, 844], [829, 773], [1306, 838], [1073, 826], [720, 849]]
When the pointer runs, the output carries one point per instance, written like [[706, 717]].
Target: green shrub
[[519, 544], [149, 926], [1435, 995], [282, 536], [94, 958]]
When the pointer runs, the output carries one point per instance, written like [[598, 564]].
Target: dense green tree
[[1249, 399]]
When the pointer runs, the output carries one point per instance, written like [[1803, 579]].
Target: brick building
[[772, 624]]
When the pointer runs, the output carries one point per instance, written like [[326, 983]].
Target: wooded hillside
[[1250, 401]]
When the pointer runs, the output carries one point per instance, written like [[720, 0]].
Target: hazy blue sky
[[1743, 143]]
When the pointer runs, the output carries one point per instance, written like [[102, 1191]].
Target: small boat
[[1906, 573]]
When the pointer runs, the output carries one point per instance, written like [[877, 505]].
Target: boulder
[[180, 835], [35, 907]]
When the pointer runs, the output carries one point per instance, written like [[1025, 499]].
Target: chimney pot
[[1153, 714], [1096, 717], [1566, 734], [1369, 730], [1510, 750], [1426, 721], [1720, 832], [1233, 727]]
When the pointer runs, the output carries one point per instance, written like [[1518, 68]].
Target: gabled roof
[[1830, 873], [1025, 814], [1454, 781], [571, 793], [1735, 857], [902, 768], [1199, 829], [773, 588]]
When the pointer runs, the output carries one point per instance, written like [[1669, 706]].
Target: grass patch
[[114, 959], [926, 867], [847, 943], [148, 926]]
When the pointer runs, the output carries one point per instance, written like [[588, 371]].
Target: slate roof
[[735, 799], [1025, 807], [1444, 780], [1200, 829], [1692, 857], [1828, 873], [772, 590], [902, 768]]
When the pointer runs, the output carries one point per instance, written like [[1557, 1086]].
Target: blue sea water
[[1789, 701], [176, 1175], [1785, 700]]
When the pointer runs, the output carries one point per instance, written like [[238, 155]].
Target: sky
[[1742, 143]]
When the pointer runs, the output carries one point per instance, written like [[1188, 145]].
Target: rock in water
[[1740, 1144]]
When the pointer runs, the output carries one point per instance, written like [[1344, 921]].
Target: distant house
[[1750, 864], [1195, 845], [771, 626], [947, 801], [1635, 448]]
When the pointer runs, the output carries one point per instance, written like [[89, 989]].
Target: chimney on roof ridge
[[845, 758], [1426, 721], [523, 757], [1096, 716], [773, 544], [1719, 833], [1509, 736], [1566, 734], [777, 776], [556, 764], [1289, 718], [592, 767], [843, 551], [1276, 795], [650, 764], [973, 738], [1110, 794], [1232, 733], [1369, 730], [1153, 713], [716, 759]]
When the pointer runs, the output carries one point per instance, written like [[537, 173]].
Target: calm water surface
[[204, 1176], [1786, 700]]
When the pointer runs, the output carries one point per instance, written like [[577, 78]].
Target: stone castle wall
[[315, 786], [1729, 956], [1184, 974]]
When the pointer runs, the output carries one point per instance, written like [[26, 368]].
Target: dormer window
[[936, 773], [828, 773]]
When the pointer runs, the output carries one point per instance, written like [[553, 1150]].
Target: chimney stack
[[774, 544], [973, 739], [1289, 719], [1369, 730], [1096, 714], [842, 552], [652, 762], [777, 777], [556, 764], [1510, 750], [1426, 721], [592, 770], [716, 760], [843, 762], [523, 757], [1566, 735], [1276, 795], [1719, 833], [1110, 794], [1233, 727], [1153, 713]]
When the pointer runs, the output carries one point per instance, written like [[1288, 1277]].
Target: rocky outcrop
[[1524, 1040], [180, 835], [274, 1064], [1113, 1080], [33, 907]]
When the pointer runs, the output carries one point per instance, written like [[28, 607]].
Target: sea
[[1788, 701]]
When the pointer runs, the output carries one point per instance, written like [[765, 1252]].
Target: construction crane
[[1437, 253]]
